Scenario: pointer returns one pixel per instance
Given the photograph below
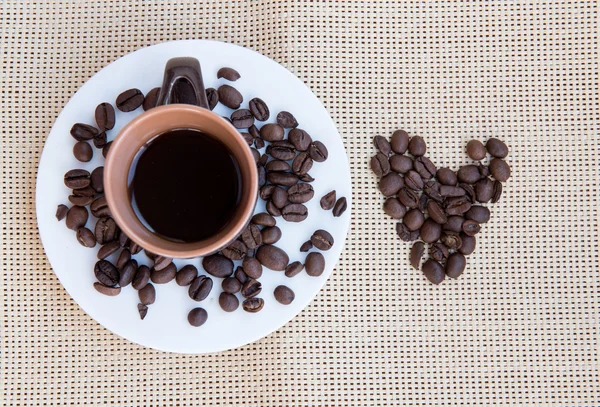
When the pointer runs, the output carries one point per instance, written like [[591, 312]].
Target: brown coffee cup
[[181, 104]]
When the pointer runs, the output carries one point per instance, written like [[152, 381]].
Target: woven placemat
[[521, 327]]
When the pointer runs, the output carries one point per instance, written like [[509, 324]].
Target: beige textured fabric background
[[521, 327]]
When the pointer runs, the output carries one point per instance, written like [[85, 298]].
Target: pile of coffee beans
[[440, 206], [283, 162]]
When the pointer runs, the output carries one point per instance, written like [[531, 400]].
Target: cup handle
[[183, 83]]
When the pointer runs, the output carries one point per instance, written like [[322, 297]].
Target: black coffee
[[186, 185]]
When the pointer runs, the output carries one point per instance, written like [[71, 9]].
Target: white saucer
[[165, 326]]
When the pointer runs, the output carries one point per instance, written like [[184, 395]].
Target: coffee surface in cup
[[186, 185]]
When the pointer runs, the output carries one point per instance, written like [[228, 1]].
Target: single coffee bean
[[240, 275], [306, 246], [253, 130], [454, 223], [456, 265], [468, 174], [106, 148], [294, 212], [142, 277], [446, 176], [436, 212], [231, 285], [433, 190], [272, 209], [212, 96], [262, 175], [83, 132], [247, 138], [130, 100], [251, 268], [99, 207], [106, 273], [401, 163], [382, 145], [413, 219], [123, 258], [451, 240], [228, 73], [434, 271], [286, 120], [293, 269], [151, 99], [251, 236], [259, 109], [306, 178], [272, 132], [300, 193], [282, 150], [186, 275], [253, 304], [197, 317], [255, 155], [448, 191], [318, 151], [408, 198], [272, 257], [76, 179], [77, 217], [282, 178], [83, 151], [484, 170], [271, 235], [217, 265], [279, 197], [100, 139], [228, 302], [284, 295], [457, 205], [322, 240], [110, 291], [80, 200], [300, 139], [399, 143], [468, 244], [484, 190], [423, 202], [85, 237], [200, 288], [235, 251], [302, 164], [263, 219], [497, 191], [230, 96], [165, 275], [278, 166], [476, 150], [61, 212], [97, 179], [425, 167], [328, 201], [394, 208], [340, 207], [496, 148], [105, 116], [160, 262], [142, 310], [469, 191], [314, 264], [439, 252], [380, 165], [417, 146], [416, 253], [405, 234], [500, 169], [431, 231], [470, 227], [390, 184], [87, 191], [128, 273], [242, 119], [251, 288], [413, 180]]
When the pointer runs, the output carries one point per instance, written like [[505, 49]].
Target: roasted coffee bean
[[255, 155], [97, 179], [272, 132], [318, 151], [240, 275], [251, 236], [433, 190], [263, 219], [454, 224], [279, 197], [416, 253], [451, 240], [417, 146], [83, 132], [469, 191], [448, 191], [242, 119], [212, 96], [150, 255], [228, 302], [99, 207], [413, 180], [401, 163], [262, 175], [259, 109], [80, 200], [186, 275], [142, 310], [165, 275], [484, 190], [413, 219], [476, 150], [105, 116], [497, 191], [468, 244], [142, 277], [272, 209], [77, 217], [106, 148], [83, 151], [431, 231], [286, 120], [200, 288], [434, 271], [456, 265], [496, 148], [300, 139], [390, 184], [110, 291], [247, 138], [293, 269], [272, 257], [423, 202], [254, 132], [253, 304], [230, 96], [306, 246], [277, 166], [306, 178], [228, 73], [217, 265], [470, 227], [500, 169], [85, 237], [302, 164], [87, 191], [282, 150], [231, 285], [314, 264], [123, 258], [340, 207], [106, 273], [468, 174], [197, 317], [446, 176], [382, 145], [484, 170], [61, 212], [263, 158], [425, 167], [76, 179], [394, 208], [408, 198], [252, 268], [284, 295], [439, 252], [399, 143], [436, 212], [130, 100], [270, 235], [251, 288], [380, 165], [294, 212], [405, 234], [300, 193], [151, 99], [457, 205], [235, 251], [100, 140], [328, 200], [322, 240], [128, 273], [160, 262]]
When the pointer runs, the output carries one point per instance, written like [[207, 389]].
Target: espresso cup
[[181, 104]]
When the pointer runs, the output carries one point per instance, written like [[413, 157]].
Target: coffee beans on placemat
[[441, 206]]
